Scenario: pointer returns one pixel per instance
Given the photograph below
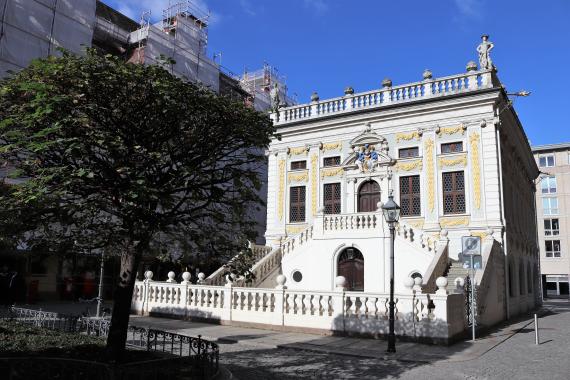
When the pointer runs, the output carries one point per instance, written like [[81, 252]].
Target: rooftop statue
[[484, 50], [274, 95]]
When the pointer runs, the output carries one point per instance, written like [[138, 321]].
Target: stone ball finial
[[186, 276], [340, 281], [349, 90], [418, 281], [409, 283], [459, 282], [314, 97], [281, 280], [444, 233], [201, 277], [387, 82], [379, 206], [441, 283], [171, 276], [471, 66], [427, 74], [148, 275]]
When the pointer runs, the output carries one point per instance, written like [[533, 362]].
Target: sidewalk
[[250, 338]]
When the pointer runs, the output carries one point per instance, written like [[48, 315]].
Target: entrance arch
[[368, 196], [351, 267]]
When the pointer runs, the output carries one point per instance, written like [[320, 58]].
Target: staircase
[[455, 270]]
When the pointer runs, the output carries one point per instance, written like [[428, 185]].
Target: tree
[[125, 159]]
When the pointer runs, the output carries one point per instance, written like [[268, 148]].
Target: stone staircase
[[454, 271]]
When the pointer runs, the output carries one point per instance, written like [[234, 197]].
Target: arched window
[[351, 266], [368, 196]]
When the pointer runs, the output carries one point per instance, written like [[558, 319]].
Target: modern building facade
[[553, 213]]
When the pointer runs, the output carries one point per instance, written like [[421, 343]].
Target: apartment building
[[553, 213]]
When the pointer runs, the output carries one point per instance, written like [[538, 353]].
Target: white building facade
[[455, 157]]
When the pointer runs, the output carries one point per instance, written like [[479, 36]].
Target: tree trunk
[[123, 295]]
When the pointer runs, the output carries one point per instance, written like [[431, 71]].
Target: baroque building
[[455, 156]]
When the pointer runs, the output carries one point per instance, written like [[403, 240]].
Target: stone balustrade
[[437, 87], [437, 317], [352, 222]]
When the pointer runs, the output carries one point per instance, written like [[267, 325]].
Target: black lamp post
[[391, 212]]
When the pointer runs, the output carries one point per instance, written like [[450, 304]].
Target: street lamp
[[391, 212]]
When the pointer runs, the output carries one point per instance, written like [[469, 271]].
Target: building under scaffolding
[[181, 35], [264, 86]]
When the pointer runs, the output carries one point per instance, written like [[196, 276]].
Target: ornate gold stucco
[[410, 165], [454, 222], [451, 130], [295, 229], [297, 151], [407, 136], [332, 146], [314, 174], [428, 146], [481, 234], [332, 172], [475, 169], [281, 193], [298, 176], [415, 223], [460, 160]]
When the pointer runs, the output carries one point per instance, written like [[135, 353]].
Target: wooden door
[[368, 197], [351, 267]]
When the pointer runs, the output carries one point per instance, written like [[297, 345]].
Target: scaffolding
[[260, 84]]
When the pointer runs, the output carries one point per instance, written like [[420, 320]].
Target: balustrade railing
[[417, 314], [444, 86], [352, 222]]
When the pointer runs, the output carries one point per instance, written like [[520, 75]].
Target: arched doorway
[[368, 196], [351, 266]]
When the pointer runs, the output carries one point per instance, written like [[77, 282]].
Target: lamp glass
[[391, 210]]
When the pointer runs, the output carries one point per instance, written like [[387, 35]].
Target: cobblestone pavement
[[517, 357]]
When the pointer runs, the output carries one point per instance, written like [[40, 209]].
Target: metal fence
[[196, 357]]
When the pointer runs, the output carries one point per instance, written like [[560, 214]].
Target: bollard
[[536, 330]]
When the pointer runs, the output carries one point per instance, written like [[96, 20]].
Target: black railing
[[196, 357]]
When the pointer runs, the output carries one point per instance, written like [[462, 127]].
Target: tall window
[[332, 198], [297, 204], [298, 165], [548, 185], [454, 147], [410, 202], [545, 161], [409, 152], [331, 161], [453, 193], [551, 227], [550, 206], [552, 248]]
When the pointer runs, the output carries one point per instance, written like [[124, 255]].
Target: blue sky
[[326, 45]]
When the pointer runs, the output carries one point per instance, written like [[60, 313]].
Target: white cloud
[[470, 8], [247, 7], [318, 5]]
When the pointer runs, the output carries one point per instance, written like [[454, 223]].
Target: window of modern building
[[409, 152], [297, 204], [332, 198], [548, 185], [545, 161], [331, 161], [552, 248], [410, 197], [550, 206], [298, 165], [551, 227], [529, 282], [454, 147], [522, 284], [453, 192]]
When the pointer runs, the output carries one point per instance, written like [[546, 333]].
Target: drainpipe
[[504, 229]]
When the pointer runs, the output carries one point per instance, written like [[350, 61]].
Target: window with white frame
[[550, 206], [551, 227], [546, 160], [548, 185], [552, 248]]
